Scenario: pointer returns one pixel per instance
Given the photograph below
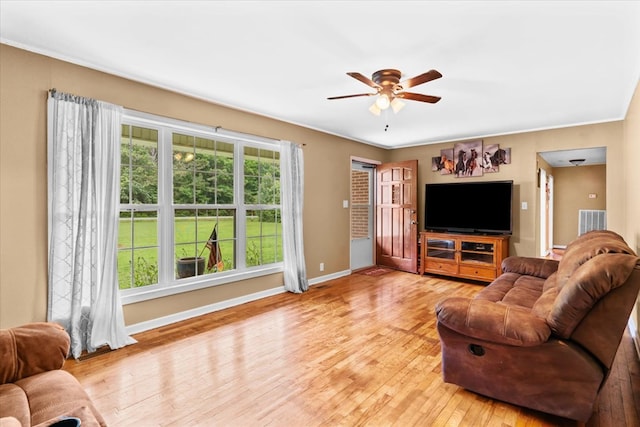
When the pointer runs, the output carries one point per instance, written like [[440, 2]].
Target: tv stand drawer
[[477, 272], [441, 267]]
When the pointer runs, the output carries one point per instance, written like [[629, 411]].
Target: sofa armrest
[[31, 349], [538, 267], [493, 322]]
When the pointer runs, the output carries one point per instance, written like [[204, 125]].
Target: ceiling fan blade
[[364, 79], [418, 97], [352, 96], [422, 78]]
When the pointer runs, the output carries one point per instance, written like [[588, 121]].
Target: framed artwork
[[507, 156], [466, 158], [446, 161], [491, 158], [435, 164]]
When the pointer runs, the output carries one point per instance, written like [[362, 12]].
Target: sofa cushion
[[538, 267], [513, 289], [14, 403], [55, 393], [544, 304], [593, 234], [591, 281], [31, 349], [494, 322], [587, 246]]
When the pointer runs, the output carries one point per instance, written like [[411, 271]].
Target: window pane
[[261, 176], [145, 230], [224, 180], [125, 269], [139, 165], [202, 170], [125, 181], [193, 230], [251, 184], [183, 191], [184, 223], [205, 187], [264, 237], [137, 249], [145, 267]]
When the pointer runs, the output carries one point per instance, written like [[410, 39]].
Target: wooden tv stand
[[469, 256]]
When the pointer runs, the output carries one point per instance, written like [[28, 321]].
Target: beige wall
[[572, 186], [523, 170], [630, 197], [25, 79]]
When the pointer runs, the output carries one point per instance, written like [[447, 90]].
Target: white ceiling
[[508, 66], [562, 158]]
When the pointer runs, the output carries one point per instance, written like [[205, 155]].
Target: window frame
[[167, 283]]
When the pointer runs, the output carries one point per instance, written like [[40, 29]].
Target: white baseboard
[[328, 277], [206, 309], [199, 311]]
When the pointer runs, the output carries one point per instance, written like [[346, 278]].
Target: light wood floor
[[358, 350]]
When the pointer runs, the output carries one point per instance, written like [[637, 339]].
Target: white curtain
[[291, 189], [84, 191]]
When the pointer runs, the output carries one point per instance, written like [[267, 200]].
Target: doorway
[[384, 215], [546, 212], [362, 214], [569, 181]]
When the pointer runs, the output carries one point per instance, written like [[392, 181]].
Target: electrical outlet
[[322, 266]]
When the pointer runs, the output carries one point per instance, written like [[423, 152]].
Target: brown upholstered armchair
[[34, 390], [544, 334]]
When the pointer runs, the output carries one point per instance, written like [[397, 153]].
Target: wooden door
[[396, 215]]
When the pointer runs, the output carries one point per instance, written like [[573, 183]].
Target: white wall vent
[[589, 219]]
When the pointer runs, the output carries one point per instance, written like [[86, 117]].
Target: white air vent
[[591, 220]]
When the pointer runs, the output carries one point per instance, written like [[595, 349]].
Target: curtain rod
[[217, 128], [53, 91]]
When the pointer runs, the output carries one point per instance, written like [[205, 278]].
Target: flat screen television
[[469, 207]]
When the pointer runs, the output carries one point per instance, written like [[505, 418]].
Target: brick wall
[[359, 204]]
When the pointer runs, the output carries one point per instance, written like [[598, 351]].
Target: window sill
[[131, 296]]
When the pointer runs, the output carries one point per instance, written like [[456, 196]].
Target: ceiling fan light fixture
[[383, 101], [576, 162], [397, 105], [374, 109]]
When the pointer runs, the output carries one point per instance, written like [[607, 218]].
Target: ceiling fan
[[390, 90]]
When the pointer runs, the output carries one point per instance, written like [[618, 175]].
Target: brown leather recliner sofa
[[544, 334], [34, 390]]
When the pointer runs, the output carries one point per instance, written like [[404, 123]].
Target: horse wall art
[[468, 159]]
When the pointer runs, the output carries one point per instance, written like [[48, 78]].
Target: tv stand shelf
[[469, 256]]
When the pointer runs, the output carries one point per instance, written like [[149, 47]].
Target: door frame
[[400, 218], [372, 185]]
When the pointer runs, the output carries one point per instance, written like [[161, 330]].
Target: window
[[197, 207], [138, 231], [262, 198]]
